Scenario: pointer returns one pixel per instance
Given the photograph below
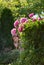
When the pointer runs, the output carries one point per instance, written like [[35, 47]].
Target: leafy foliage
[[9, 57], [10, 11], [6, 25], [33, 39], [33, 43]]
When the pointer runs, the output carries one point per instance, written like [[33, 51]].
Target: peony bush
[[32, 37], [19, 24]]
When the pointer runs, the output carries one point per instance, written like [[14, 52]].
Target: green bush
[[6, 26], [9, 12], [33, 44]]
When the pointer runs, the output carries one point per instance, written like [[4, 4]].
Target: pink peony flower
[[31, 15], [16, 45], [34, 19], [20, 29], [39, 18], [23, 20], [13, 31], [16, 23]]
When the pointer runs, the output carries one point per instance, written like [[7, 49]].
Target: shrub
[[31, 32], [6, 25], [33, 43]]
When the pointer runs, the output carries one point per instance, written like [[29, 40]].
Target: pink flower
[[16, 23], [23, 20], [31, 15], [39, 18], [13, 31], [20, 29], [16, 45], [34, 19]]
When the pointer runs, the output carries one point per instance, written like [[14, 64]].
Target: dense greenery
[[33, 44], [9, 12]]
